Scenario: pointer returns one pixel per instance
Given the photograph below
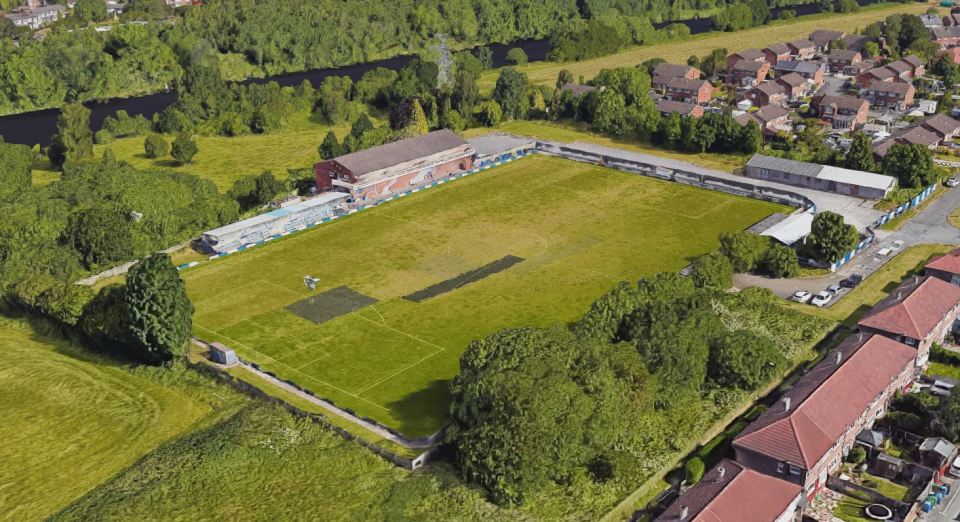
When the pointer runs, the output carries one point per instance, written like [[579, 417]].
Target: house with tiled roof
[[795, 85], [821, 38], [943, 126], [578, 89], [840, 60], [809, 70], [777, 53], [919, 136], [805, 436], [771, 120], [664, 72], [802, 50], [768, 92], [919, 312], [691, 91], [891, 95], [750, 55], [841, 111], [667, 107], [945, 267], [731, 492], [946, 37], [747, 73]]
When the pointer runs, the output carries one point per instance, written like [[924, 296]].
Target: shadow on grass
[[424, 411]]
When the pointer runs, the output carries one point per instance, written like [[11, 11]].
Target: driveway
[[926, 227]]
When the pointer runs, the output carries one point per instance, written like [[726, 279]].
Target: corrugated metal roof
[[792, 229], [857, 177], [784, 165], [322, 199], [371, 160]]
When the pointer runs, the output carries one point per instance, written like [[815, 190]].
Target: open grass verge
[[874, 288], [73, 420], [678, 51], [580, 229]]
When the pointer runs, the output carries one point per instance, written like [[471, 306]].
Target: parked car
[[834, 290], [897, 245], [938, 391], [955, 468], [953, 182], [801, 296], [884, 252], [821, 299], [852, 281]]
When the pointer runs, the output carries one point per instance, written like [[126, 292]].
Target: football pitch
[[404, 288]]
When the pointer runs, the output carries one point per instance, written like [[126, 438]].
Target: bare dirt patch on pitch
[[463, 279], [331, 304]]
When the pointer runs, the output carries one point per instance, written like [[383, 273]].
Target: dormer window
[[910, 341]]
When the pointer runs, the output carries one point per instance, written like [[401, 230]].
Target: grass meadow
[[580, 229], [678, 51], [72, 420]]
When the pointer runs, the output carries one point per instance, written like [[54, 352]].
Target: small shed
[[888, 466], [220, 354], [871, 440], [937, 453]]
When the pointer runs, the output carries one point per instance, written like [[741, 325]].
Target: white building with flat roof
[[848, 182]]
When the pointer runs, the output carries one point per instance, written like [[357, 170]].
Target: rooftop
[[798, 67], [822, 37], [818, 410], [749, 65], [778, 49], [686, 83], [669, 70], [792, 79], [841, 101], [792, 229], [949, 262], [321, 199], [843, 54], [728, 492], [829, 173], [892, 87], [750, 54], [371, 160], [664, 105], [919, 136], [914, 308], [941, 124]]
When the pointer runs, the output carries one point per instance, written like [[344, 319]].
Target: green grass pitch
[[580, 229]]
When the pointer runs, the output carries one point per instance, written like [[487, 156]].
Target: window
[[910, 341], [779, 467], [795, 471]]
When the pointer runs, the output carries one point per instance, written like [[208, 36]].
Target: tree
[[255, 191], [857, 455], [743, 249], [90, 11], [16, 170], [489, 113], [780, 261], [830, 238], [744, 359], [870, 49], [157, 312], [154, 146], [74, 139], [516, 56], [563, 78], [101, 236], [184, 149], [712, 270], [912, 165], [860, 155], [510, 93], [751, 138], [608, 117], [693, 471], [466, 93], [417, 124], [330, 148], [149, 9]]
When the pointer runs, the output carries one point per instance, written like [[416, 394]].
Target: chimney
[[684, 511], [721, 471], [839, 358], [859, 337], [786, 404]]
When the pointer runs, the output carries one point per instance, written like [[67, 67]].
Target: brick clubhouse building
[[377, 173]]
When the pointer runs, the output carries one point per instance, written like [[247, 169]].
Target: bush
[[154, 146], [857, 455], [184, 149], [694, 470], [780, 261], [516, 56], [743, 249], [712, 270]]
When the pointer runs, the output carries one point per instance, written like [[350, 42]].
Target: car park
[[801, 296], [821, 299]]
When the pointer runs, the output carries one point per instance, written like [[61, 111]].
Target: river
[[37, 127]]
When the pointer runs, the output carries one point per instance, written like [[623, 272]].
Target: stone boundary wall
[[124, 268]]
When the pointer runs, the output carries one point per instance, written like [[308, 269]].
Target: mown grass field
[[679, 51], [580, 228], [71, 420], [224, 160]]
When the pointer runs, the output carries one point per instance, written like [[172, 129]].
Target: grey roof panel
[[371, 160]]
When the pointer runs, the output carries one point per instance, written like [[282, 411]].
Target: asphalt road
[[948, 511], [927, 227]]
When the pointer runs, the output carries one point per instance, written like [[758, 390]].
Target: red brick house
[[748, 73], [842, 112], [946, 37], [777, 53], [804, 438], [809, 70], [875, 76], [666, 107], [802, 50], [379, 172], [945, 267], [918, 313], [943, 126], [690, 91], [731, 492], [953, 53], [919, 136], [767, 93], [771, 120], [750, 55], [672, 70], [951, 19], [892, 95], [841, 60], [795, 86]]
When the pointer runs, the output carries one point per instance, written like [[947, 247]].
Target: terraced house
[[804, 438], [919, 312]]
